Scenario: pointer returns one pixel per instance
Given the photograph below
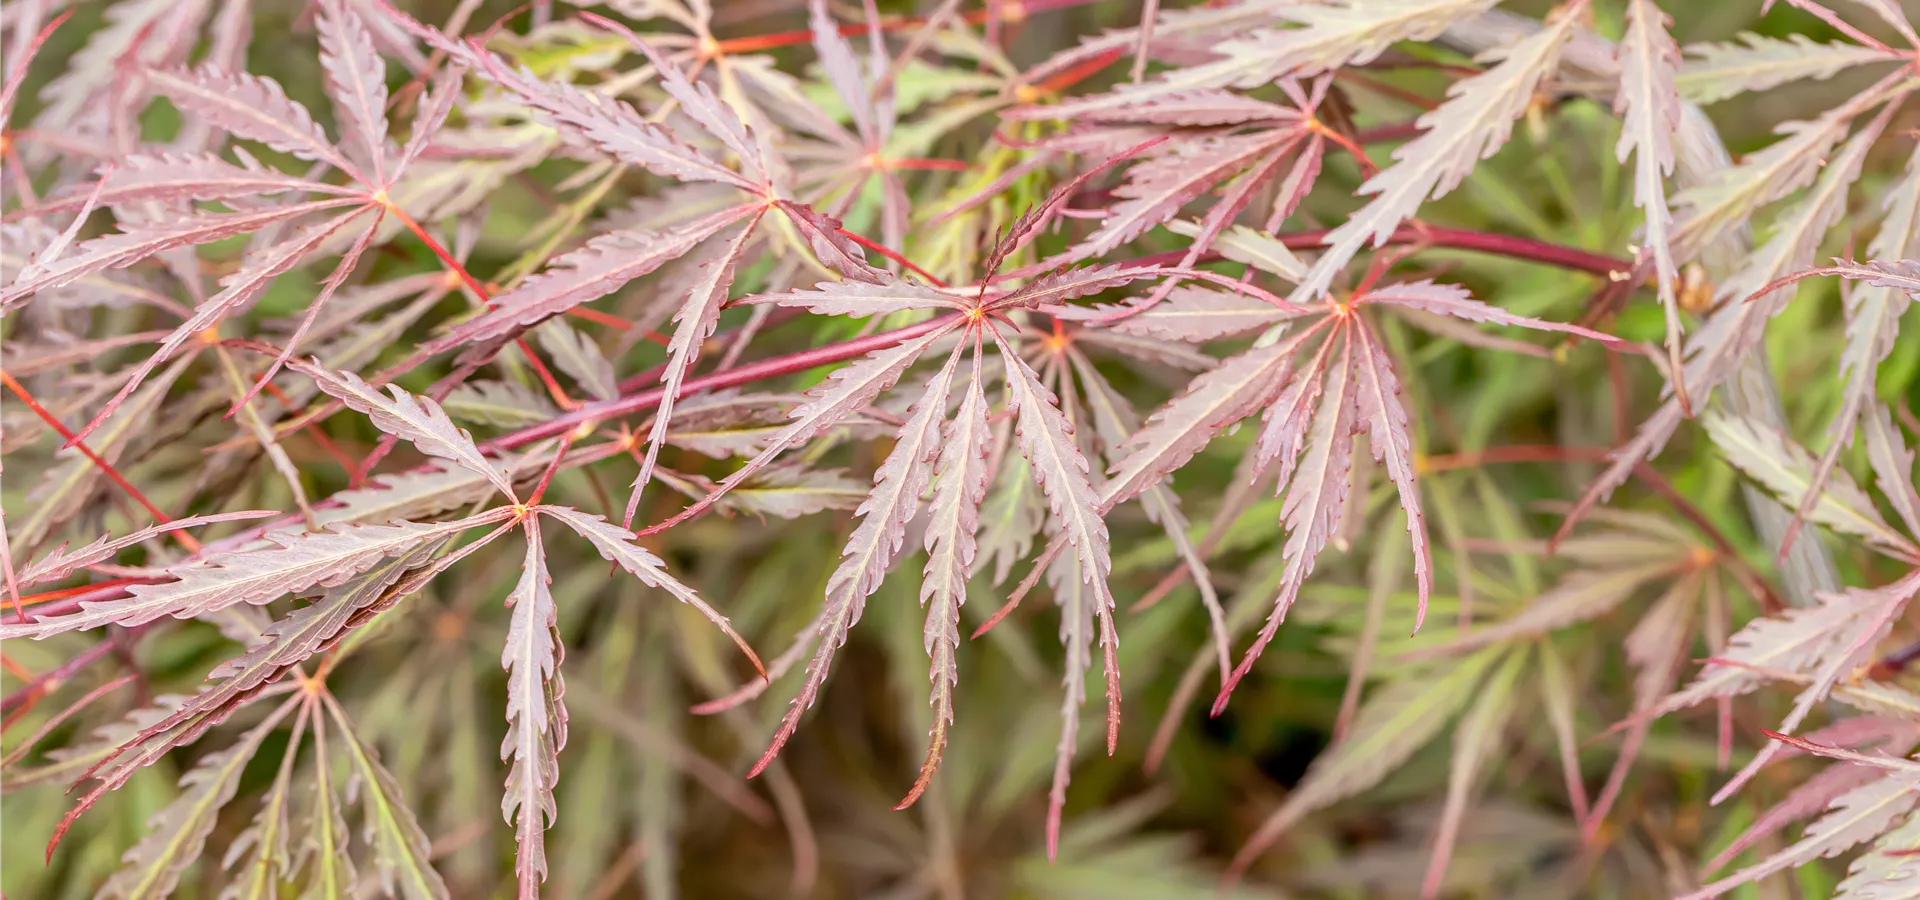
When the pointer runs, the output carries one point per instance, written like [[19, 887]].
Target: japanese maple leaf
[[950, 454], [1224, 139], [611, 260], [1318, 377], [1819, 646], [376, 566], [257, 109]]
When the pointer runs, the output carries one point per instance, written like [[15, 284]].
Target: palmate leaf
[[1874, 612], [874, 544], [167, 175], [1873, 314], [177, 832], [1316, 492], [1474, 122], [536, 719], [294, 564], [1858, 816], [137, 242], [239, 291], [1046, 440], [283, 645], [605, 124], [1716, 348], [953, 520]]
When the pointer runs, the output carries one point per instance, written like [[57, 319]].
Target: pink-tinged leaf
[[589, 273], [1453, 301], [536, 718], [953, 522], [844, 390], [834, 250], [617, 546], [1288, 418], [1892, 465], [1252, 53], [357, 81], [432, 113], [611, 126], [697, 101], [282, 645], [1293, 189], [1046, 440], [1316, 494], [294, 563], [1732, 332], [251, 107], [843, 71], [178, 832], [1385, 421], [60, 562], [136, 243], [1073, 593], [1809, 797], [1114, 421], [1858, 816], [239, 291], [1189, 313], [1240, 387], [1071, 284], [1716, 71], [1786, 469], [1803, 641], [699, 314], [1874, 612], [417, 420], [874, 544], [167, 176], [1158, 188], [1708, 211], [1873, 315], [348, 262], [1474, 123], [1195, 108], [861, 299], [1649, 107]]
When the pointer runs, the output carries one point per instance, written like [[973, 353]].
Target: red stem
[[185, 540], [883, 251]]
